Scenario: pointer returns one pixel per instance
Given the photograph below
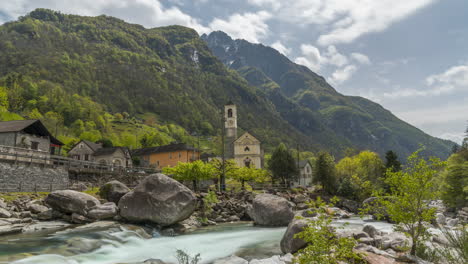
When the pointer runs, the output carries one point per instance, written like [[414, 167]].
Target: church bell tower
[[230, 127]]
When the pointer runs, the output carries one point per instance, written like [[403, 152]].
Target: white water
[[212, 244]]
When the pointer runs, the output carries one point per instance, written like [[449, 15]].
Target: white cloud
[[310, 58], [361, 58], [149, 13], [342, 74], [333, 57], [249, 26], [452, 80], [281, 48], [343, 21]]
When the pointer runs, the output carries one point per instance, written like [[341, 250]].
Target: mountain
[[300, 94], [103, 78]]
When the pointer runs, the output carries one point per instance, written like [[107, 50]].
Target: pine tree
[[392, 161], [282, 165], [325, 172]]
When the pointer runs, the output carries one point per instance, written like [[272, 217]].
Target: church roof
[[247, 135], [230, 102], [303, 163]]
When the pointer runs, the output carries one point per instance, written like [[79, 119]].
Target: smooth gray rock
[[112, 191], [3, 204], [231, 260], [40, 226], [271, 210], [37, 208], [68, 201], [440, 219], [158, 199], [371, 230], [104, 211], [289, 244], [4, 213]]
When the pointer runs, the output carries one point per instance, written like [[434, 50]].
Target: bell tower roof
[[230, 102]]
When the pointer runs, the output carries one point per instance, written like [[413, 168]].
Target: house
[[245, 150], [305, 174], [166, 156], [94, 152], [28, 135]]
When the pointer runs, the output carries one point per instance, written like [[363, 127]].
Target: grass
[[11, 196], [94, 191]]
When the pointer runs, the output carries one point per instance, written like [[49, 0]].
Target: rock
[[288, 258], [441, 239], [68, 201], [452, 222], [81, 187], [440, 219], [372, 258], [40, 226], [233, 218], [272, 260], [271, 210], [231, 260], [11, 229], [300, 198], [3, 204], [79, 219], [104, 211], [37, 208], [398, 241], [349, 205], [158, 199], [4, 213], [371, 230], [289, 244], [46, 215], [26, 214], [79, 245], [302, 206], [360, 235], [113, 191]]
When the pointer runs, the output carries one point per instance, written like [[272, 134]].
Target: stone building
[[305, 174], [28, 135], [93, 152], [245, 150]]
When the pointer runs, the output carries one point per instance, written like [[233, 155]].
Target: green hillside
[[100, 77], [354, 120]]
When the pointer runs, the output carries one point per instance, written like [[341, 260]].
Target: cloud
[[343, 21], [281, 48], [149, 13], [452, 80], [310, 58], [342, 74], [249, 26], [361, 58]]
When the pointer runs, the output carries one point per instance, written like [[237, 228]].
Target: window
[[170, 155], [34, 145], [229, 112], [247, 149], [81, 146], [86, 157]]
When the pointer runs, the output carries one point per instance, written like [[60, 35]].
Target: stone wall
[[25, 178]]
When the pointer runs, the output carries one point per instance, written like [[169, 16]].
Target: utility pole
[[223, 165], [298, 169]]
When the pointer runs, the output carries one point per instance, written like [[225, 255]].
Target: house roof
[[303, 163], [92, 145], [33, 126], [108, 151], [163, 149]]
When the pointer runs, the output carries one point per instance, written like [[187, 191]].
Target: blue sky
[[408, 55]]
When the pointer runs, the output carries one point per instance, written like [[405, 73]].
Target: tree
[[410, 189], [282, 165], [392, 162], [3, 99], [246, 174], [455, 190], [191, 171], [325, 172]]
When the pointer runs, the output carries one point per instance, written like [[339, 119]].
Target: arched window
[[247, 149], [229, 112], [247, 162]]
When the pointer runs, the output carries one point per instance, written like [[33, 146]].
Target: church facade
[[245, 150]]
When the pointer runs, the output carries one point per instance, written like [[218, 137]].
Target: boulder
[[289, 244], [452, 222], [68, 201], [37, 208], [371, 230], [113, 191], [440, 219], [4, 213], [79, 219], [300, 198], [104, 211], [3, 204], [271, 210], [158, 199]]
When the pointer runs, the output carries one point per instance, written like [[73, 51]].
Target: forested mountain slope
[[83, 74], [362, 122]]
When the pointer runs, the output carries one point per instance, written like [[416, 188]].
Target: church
[[244, 150]]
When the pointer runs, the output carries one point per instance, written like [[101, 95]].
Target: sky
[[410, 56]]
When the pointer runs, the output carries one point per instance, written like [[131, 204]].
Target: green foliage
[[191, 171], [324, 172], [455, 188], [209, 200], [410, 189], [246, 174], [282, 165], [323, 244], [391, 161]]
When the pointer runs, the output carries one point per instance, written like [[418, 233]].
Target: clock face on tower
[[230, 122]]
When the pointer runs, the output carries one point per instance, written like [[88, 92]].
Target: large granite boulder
[[158, 199], [104, 211], [271, 210], [113, 191], [68, 201], [289, 244]]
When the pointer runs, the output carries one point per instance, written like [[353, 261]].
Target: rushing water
[[121, 245]]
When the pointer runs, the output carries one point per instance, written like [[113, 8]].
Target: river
[[122, 245]]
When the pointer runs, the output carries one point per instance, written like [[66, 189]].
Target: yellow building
[[166, 156]]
